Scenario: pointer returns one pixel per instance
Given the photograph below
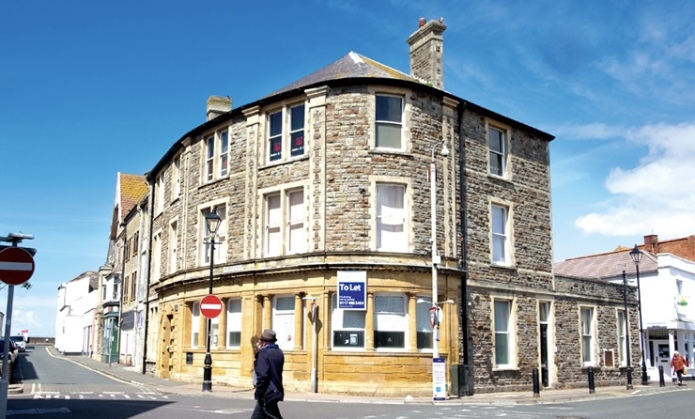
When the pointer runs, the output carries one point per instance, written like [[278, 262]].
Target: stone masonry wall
[[338, 173]]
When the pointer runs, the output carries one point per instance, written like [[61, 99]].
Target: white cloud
[[656, 195], [594, 131], [34, 312]]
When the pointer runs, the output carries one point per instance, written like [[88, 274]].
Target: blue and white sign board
[[438, 379], [352, 290]]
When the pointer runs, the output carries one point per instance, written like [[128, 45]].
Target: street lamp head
[[213, 221], [636, 255], [445, 150]]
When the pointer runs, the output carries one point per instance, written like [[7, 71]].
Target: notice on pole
[[438, 379]]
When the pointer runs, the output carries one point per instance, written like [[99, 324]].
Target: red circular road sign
[[210, 306], [16, 265]]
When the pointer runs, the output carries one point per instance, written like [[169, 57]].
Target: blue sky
[[88, 89]]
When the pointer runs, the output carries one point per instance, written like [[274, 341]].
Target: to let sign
[[16, 265], [352, 290], [210, 306]]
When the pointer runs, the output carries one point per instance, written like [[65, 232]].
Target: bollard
[[590, 373], [662, 383], [536, 385]]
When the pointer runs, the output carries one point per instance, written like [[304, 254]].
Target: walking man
[[268, 374]]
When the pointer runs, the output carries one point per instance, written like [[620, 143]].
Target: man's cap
[[268, 336]]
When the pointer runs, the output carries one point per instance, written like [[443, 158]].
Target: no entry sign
[[210, 306], [16, 265]]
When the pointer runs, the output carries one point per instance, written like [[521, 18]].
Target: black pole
[[536, 384], [207, 369], [662, 383], [590, 373], [628, 360], [645, 379]]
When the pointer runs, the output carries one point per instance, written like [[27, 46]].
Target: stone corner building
[[323, 189]]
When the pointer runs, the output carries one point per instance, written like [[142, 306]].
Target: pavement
[[134, 376]]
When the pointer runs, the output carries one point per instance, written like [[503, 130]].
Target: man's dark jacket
[[269, 355]]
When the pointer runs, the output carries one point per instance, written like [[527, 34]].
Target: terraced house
[[350, 203]]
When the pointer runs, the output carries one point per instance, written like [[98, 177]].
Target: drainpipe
[[120, 298], [464, 254], [149, 274]]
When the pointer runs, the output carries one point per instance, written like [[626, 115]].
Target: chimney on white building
[[217, 105], [427, 51]]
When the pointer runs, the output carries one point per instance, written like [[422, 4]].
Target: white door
[[663, 357]]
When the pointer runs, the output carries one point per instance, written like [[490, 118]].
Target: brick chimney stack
[[217, 105], [427, 51], [651, 243]]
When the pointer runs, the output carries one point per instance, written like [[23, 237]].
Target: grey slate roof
[[605, 265], [352, 65]]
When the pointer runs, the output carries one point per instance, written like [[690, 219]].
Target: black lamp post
[[212, 221], [636, 256], [627, 335]]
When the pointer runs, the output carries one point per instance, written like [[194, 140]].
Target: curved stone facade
[[334, 186]]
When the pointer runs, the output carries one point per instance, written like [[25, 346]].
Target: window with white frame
[[214, 332], [273, 226], [297, 131], [285, 223], [500, 234], [173, 246], [220, 236], [423, 323], [195, 324], [348, 327], [622, 337], [283, 321], [390, 322], [587, 334], [497, 143], [159, 186], [296, 233], [389, 122], [234, 323], [133, 285], [223, 158], [216, 163], [504, 333], [391, 229], [115, 295], [286, 127], [157, 256], [209, 157], [176, 178]]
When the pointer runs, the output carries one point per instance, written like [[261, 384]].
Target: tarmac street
[[134, 376]]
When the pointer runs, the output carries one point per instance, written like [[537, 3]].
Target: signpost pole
[[4, 380]]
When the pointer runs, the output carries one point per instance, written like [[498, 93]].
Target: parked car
[[12, 353], [20, 342]]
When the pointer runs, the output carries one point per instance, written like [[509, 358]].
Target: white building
[[668, 312], [77, 302]]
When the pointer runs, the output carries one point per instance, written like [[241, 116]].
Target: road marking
[[38, 411]]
